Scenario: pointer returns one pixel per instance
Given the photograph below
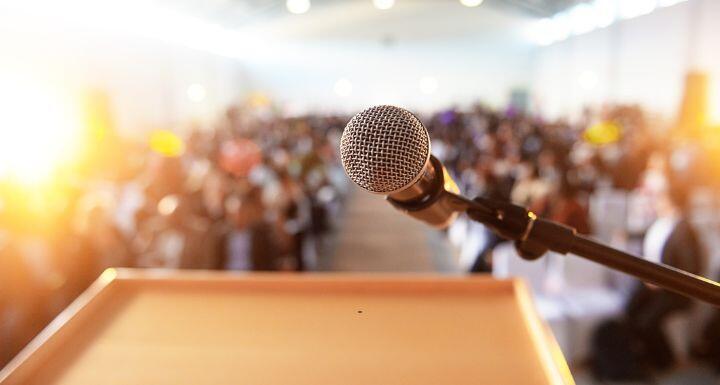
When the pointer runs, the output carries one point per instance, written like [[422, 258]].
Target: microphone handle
[[533, 237]]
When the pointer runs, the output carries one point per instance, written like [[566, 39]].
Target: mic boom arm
[[534, 237]]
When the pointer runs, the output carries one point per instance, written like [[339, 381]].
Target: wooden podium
[[137, 327]]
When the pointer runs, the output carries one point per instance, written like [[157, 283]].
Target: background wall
[[643, 60], [344, 56], [423, 54], [147, 81], [421, 76]]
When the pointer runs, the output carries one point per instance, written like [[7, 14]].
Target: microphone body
[[427, 199], [386, 150]]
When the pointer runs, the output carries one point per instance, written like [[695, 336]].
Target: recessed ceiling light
[[383, 4], [587, 80], [428, 85], [196, 93], [343, 87], [471, 3], [298, 7]]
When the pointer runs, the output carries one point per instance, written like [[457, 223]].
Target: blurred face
[[524, 171], [655, 179], [656, 162], [664, 206], [546, 159]]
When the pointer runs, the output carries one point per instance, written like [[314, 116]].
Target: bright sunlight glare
[[39, 131], [714, 103]]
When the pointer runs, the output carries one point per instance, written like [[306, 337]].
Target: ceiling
[[239, 13], [540, 8], [498, 21]]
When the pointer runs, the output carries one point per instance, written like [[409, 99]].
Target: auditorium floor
[[376, 237], [695, 375]]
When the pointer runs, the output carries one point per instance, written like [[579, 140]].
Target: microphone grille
[[384, 149]]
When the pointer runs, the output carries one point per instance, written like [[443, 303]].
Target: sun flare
[[39, 131]]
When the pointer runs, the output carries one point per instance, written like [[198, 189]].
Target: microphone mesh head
[[384, 149]]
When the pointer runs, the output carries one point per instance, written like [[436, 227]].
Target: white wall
[[475, 54], [465, 72], [642, 60], [146, 79]]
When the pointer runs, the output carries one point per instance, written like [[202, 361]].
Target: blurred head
[[528, 170], [251, 209], [567, 190], [675, 199]]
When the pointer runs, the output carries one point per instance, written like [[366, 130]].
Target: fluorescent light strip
[[587, 17]]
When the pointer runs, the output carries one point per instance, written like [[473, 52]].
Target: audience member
[[671, 240]]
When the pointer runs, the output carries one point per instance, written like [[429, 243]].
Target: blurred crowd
[[554, 168], [258, 191], [557, 169], [254, 192]]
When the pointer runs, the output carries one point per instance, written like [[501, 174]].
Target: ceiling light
[[196, 93], [343, 87], [542, 32], [383, 4], [667, 3], [588, 80], [560, 26], [605, 12], [471, 3], [634, 8], [582, 19], [428, 85], [298, 7]]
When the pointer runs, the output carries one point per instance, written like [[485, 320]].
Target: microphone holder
[[534, 237]]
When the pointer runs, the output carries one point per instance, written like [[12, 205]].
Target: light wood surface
[[140, 327]]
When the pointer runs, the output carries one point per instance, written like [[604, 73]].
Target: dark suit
[[648, 308], [263, 250]]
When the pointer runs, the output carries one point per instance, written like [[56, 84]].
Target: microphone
[[386, 150]]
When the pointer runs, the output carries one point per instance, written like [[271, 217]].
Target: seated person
[[671, 240]]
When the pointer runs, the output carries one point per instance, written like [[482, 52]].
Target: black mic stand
[[534, 237]]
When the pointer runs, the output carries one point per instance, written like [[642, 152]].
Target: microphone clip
[[533, 237]]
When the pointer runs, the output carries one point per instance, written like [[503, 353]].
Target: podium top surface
[[145, 327]]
